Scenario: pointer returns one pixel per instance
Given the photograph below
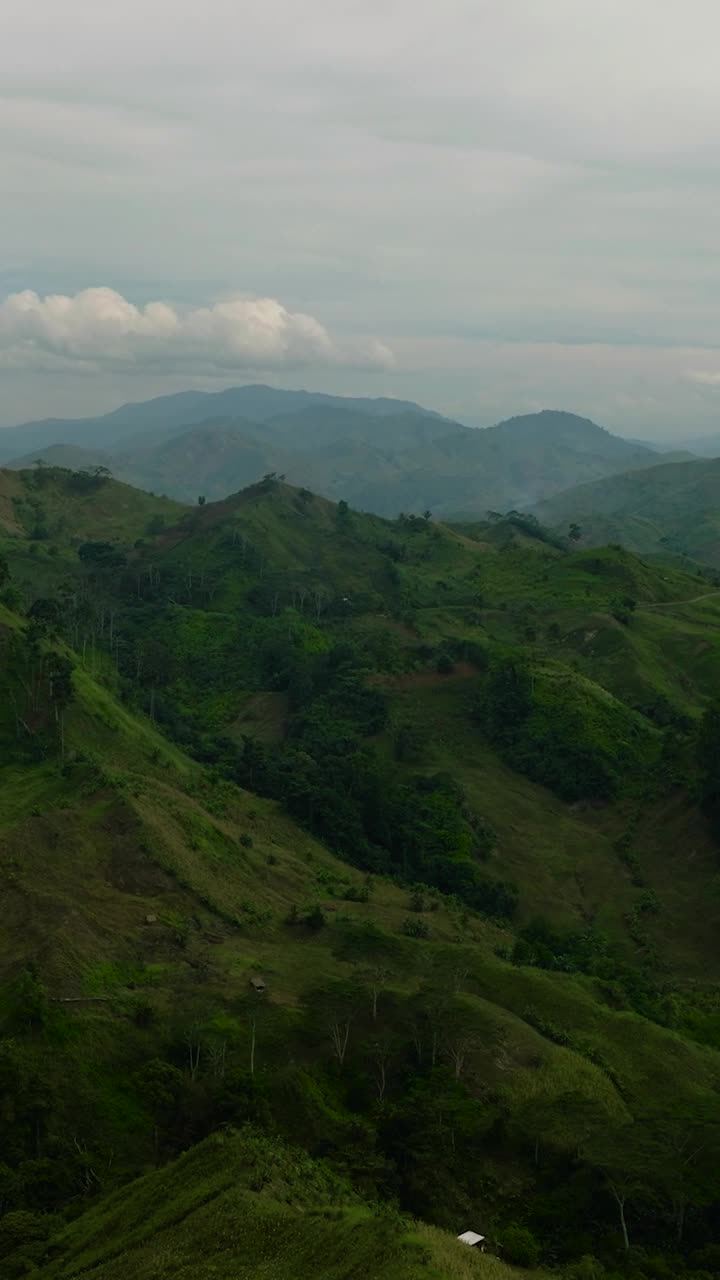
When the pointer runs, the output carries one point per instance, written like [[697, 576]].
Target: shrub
[[588, 1268], [314, 918], [415, 928], [519, 1246], [358, 892], [20, 1227]]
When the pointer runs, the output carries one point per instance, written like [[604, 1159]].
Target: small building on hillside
[[472, 1239], [258, 985]]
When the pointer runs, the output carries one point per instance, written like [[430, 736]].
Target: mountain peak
[[552, 420]]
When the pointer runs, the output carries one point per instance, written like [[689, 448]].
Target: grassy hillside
[[240, 1206], [672, 508], [436, 787], [62, 507]]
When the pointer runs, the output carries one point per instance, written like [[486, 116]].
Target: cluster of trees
[[643, 986], [35, 681], [418, 828]]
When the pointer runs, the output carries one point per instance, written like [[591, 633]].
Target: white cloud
[[99, 327]]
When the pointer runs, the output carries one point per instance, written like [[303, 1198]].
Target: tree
[[684, 1147], [30, 1000], [575, 532], [519, 1246], [45, 614], [375, 978], [507, 698], [707, 751], [194, 1042], [160, 1087], [563, 1122], [626, 1157], [336, 1006], [383, 1050], [101, 555], [256, 1010], [58, 673], [201, 500]]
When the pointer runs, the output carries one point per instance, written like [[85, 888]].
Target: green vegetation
[[668, 510], [388, 839], [239, 1205]]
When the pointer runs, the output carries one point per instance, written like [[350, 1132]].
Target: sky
[[488, 207]]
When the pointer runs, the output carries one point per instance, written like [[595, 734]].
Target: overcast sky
[[489, 207]]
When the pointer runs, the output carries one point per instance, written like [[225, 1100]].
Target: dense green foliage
[[553, 730]]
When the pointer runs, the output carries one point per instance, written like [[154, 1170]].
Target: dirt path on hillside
[[671, 604]]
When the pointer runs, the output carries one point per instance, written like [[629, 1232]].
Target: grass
[[238, 1206], [108, 510]]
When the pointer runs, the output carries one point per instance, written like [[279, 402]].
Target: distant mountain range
[[380, 455], [153, 420]]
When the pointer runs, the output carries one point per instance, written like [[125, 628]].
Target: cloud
[[99, 328], [705, 377]]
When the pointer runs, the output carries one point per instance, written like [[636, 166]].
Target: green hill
[[438, 788], [672, 508], [239, 1205], [59, 506]]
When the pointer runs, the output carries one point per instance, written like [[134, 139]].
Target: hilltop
[[438, 788], [671, 508], [382, 455]]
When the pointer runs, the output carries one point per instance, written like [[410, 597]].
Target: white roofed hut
[[472, 1239]]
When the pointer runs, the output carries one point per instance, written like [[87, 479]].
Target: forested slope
[[448, 792]]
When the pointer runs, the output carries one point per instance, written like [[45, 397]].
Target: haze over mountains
[[380, 455]]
